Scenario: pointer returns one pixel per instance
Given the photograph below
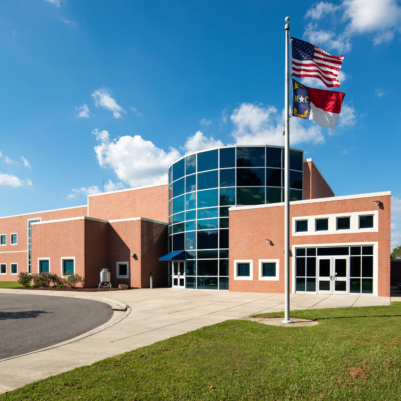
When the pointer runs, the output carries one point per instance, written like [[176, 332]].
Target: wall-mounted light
[[377, 202], [133, 255]]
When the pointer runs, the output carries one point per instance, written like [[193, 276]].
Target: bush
[[25, 279], [54, 279], [36, 285], [42, 279], [60, 286], [71, 280]]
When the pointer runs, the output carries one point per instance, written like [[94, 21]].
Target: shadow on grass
[[21, 315]]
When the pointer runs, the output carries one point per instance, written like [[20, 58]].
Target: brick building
[[217, 224]]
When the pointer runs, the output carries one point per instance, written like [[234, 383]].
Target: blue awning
[[177, 255]]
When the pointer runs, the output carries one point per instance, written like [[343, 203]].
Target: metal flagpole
[[287, 177]]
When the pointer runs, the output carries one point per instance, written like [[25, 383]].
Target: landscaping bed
[[79, 289]]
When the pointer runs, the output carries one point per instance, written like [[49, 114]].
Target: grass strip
[[9, 284], [353, 354]]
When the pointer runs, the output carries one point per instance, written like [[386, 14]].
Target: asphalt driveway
[[32, 322]]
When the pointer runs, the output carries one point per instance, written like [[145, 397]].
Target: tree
[[396, 254]]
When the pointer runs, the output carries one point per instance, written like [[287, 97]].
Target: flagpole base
[[287, 321]]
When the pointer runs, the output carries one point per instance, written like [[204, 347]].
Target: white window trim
[[277, 276], [62, 264], [11, 243], [1, 235], [322, 218], [11, 270], [39, 259], [3, 274], [118, 275], [250, 277], [307, 226]]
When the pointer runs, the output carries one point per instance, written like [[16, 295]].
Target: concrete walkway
[[151, 316]]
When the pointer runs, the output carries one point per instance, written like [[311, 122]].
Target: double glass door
[[333, 275], [178, 275]]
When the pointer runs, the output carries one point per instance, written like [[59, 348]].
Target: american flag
[[312, 62]]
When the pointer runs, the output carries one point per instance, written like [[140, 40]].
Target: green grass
[[353, 354], [9, 284]]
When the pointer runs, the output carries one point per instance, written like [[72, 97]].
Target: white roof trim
[[69, 219], [129, 189], [45, 211], [136, 219], [332, 199]]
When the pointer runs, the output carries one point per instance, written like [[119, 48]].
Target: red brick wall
[[151, 203], [249, 229], [19, 225], [315, 186]]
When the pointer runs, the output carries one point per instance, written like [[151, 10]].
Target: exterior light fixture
[[133, 255], [267, 240], [377, 202]]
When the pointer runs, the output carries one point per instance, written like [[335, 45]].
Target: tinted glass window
[[355, 250], [208, 213], [295, 195], [190, 266], [190, 167], [355, 285], [223, 283], [227, 178], [190, 215], [178, 169], [178, 228], [243, 270], [322, 224], [208, 180], [273, 157], [170, 175], [208, 224], [178, 204], [190, 254], [208, 198], [223, 238], [206, 283], [190, 240], [366, 221], [300, 284], [13, 238], [296, 179], [273, 195], [3, 239], [178, 187], [343, 223], [300, 266], [227, 157], [355, 266], [250, 157], [300, 252], [367, 250], [123, 269], [3, 269], [223, 223], [223, 210], [210, 254], [268, 270], [311, 267], [224, 254], [250, 177], [273, 177], [178, 242], [14, 268], [250, 196], [190, 225], [367, 266], [190, 282], [223, 268], [301, 226], [44, 266], [332, 251], [227, 197], [190, 201], [208, 239], [68, 267], [296, 160], [207, 160], [178, 218], [311, 251], [191, 183], [367, 286]]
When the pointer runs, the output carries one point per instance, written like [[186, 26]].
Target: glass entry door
[[333, 274], [178, 274]]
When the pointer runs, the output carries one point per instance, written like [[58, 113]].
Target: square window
[[322, 224], [269, 269], [3, 268], [122, 269], [301, 226], [14, 239], [68, 266], [343, 223], [366, 221], [44, 266], [14, 268], [3, 239], [243, 270]]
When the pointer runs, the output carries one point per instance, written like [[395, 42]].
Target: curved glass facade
[[204, 185]]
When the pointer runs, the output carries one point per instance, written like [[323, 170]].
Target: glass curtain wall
[[203, 186]]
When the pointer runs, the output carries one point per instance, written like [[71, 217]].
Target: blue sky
[[117, 90]]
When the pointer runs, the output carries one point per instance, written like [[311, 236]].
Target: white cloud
[[135, 161], [111, 186], [328, 40], [54, 2], [205, 122], [68, 22], [83, 111], [393, 226], [347, 116], [379, 92], [200, 142], [13, 181], [85, 191], [135, 110], [255, 124], [321, 9], [384, 37], [103, 98], [25, 162]]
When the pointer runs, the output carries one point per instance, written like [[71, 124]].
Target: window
[[208, 180], [251, 157], [14, 268], [243, 270], [343, 223], [269, 269], [3, 268], [227, 178], [322, 224], [122, 269], [366, 221], [301, 226], [227, 157], [14, 239], [250, 196], [67, 266], [3, 239], [44, 265], [190, 183], [190, 165], [208, 160]]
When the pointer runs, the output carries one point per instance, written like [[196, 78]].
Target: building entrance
[[333, 275], [178, 274]]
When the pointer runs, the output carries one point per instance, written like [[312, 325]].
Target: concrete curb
[[117, 306]]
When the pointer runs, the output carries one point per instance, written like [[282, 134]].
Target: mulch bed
[[70, 289]]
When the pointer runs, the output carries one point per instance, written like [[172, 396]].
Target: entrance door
[[333, 275], [178, 274]]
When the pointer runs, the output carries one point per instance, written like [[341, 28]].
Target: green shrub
[[60, 286], [42, 279], [71, 280], [24, 279], [36, 285], [54, 279]]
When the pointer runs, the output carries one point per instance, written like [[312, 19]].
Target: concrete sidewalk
[[154, 315]]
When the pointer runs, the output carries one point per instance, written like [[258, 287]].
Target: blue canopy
[[176, 255]]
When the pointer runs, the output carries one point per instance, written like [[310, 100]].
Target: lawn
[[9, 284], [353, 354]]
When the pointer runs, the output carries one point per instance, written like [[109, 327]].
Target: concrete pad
[[279, 322]]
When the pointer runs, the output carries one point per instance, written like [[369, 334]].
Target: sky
[[101, 95]]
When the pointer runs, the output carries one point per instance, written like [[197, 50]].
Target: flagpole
[[287, 176]]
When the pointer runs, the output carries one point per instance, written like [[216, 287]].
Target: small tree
[[71, 280], [25, 279], [396, 254]]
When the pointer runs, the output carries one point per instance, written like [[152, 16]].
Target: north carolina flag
[[319, 105]]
